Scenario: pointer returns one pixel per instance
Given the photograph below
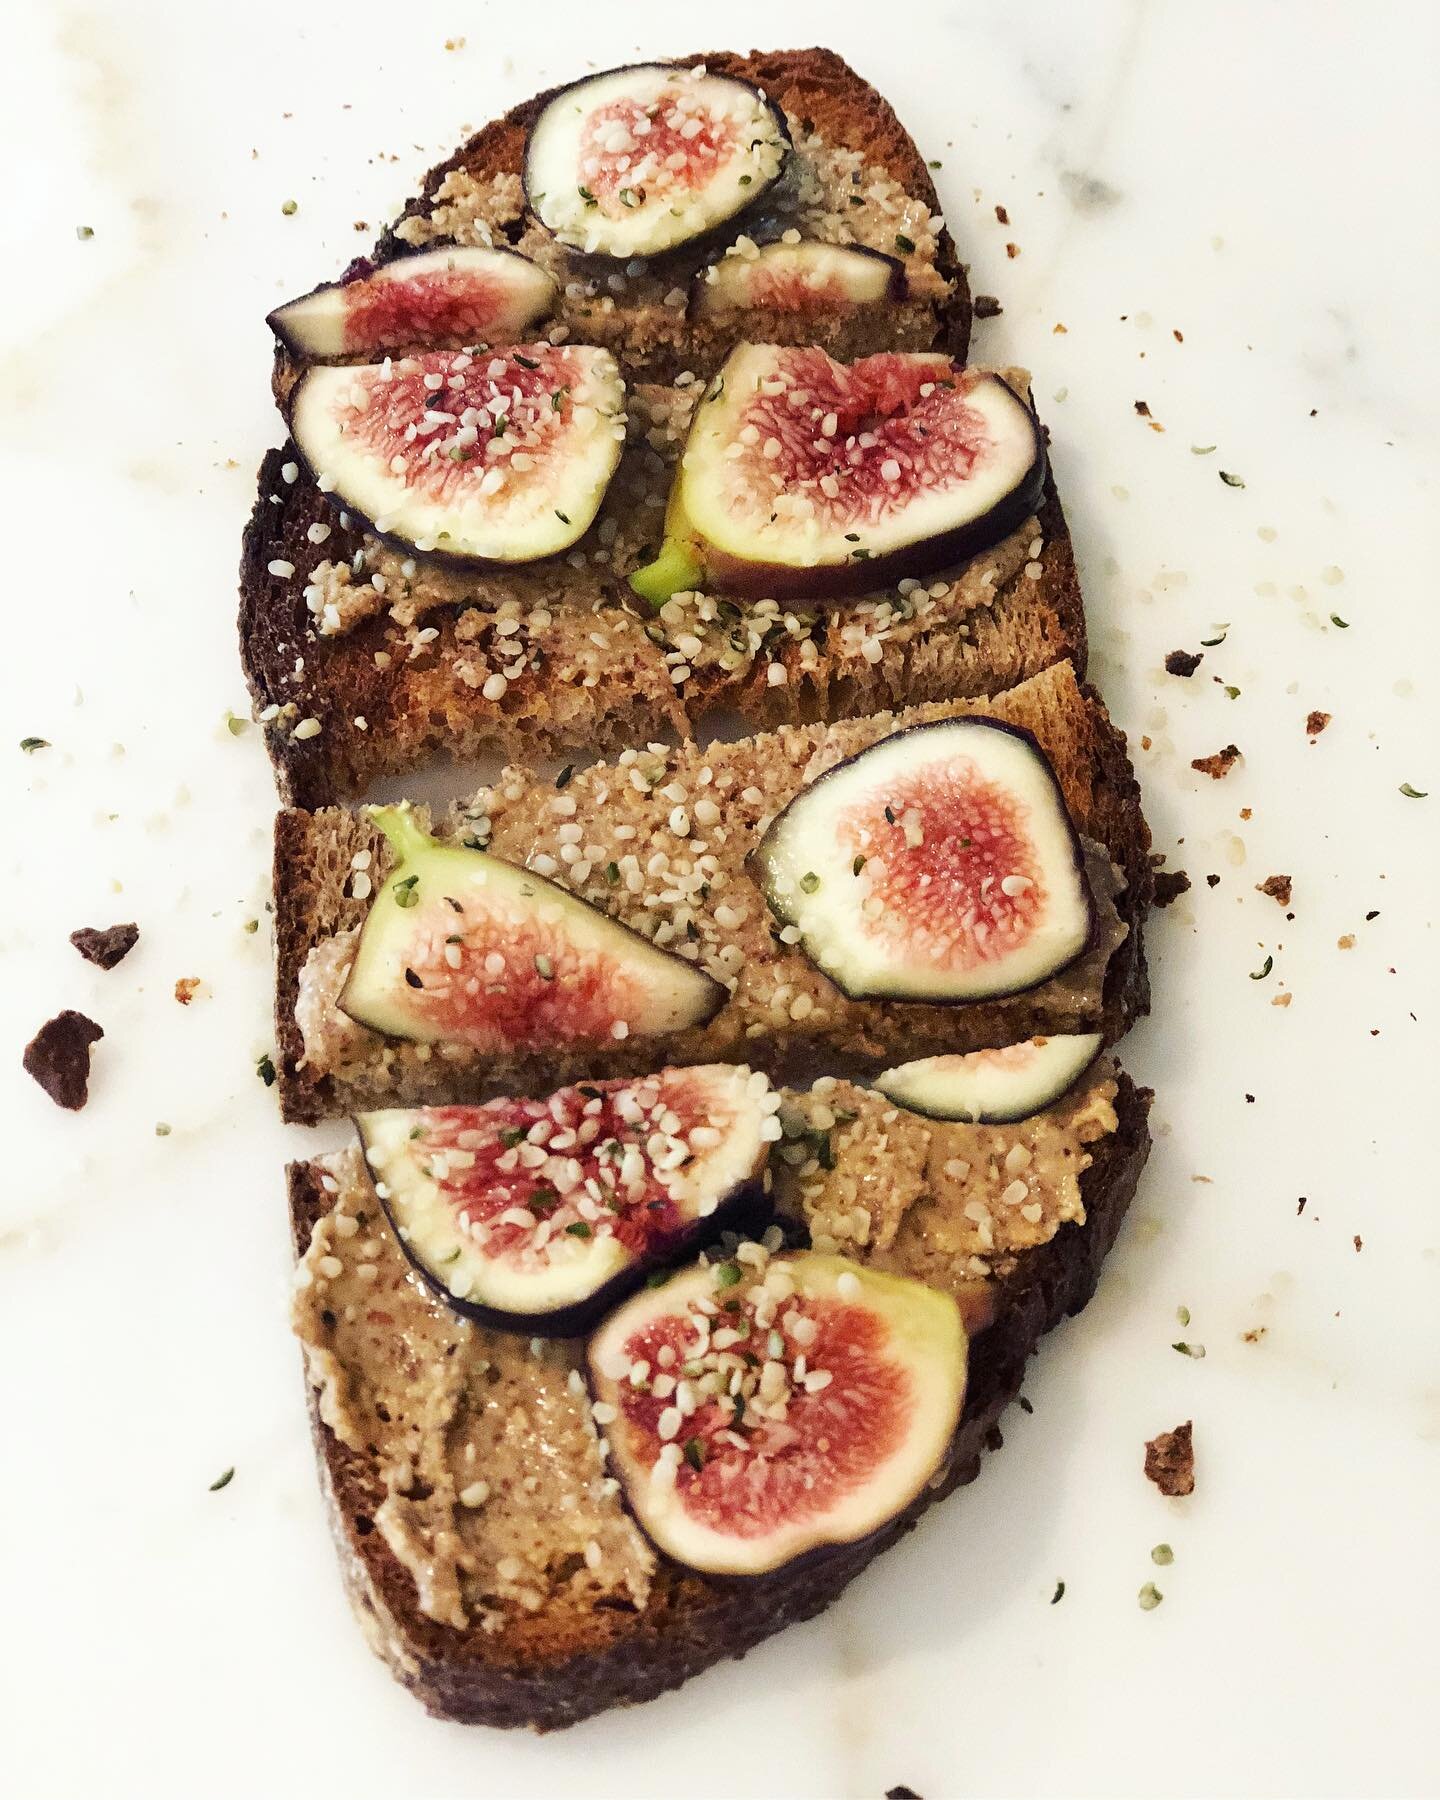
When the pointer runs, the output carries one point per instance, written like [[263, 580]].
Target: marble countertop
[[1221, 213]]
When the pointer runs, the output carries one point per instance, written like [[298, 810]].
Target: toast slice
[[354, 682], [534, 1601], [780, 1006], [856, 178]]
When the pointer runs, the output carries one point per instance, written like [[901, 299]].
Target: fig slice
[[500, 456], [635, 161], [992, 1087], [939, 865], [807, 277], [460, 947], [538, 1215], [452, 296], [763, 1409], [807, 478]]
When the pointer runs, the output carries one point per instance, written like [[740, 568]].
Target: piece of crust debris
[[1170, 884], [1170, 1460], [105, 946], [1218, 766], [1277, 887], [1315, 723], [58, 1057], [1183, 662]]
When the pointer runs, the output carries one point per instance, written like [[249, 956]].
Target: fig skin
[[755, 868], [746, 1210], [726, 229]]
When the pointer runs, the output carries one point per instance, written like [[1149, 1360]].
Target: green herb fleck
[[628, 197], [612, 873], [1059, 1593], [1162, 1554], [289, 207], [557, 398], [406, 894], [235, 725], [1197, 1351], [903, 244], [84, 233], [578, 1229], [251, 926], [31, 744], [1414, 793], [562, 780], [658, 1279], [809, 882], [525, 362], [935, 163], [695, 1452], [543, 1200], [162, 1129], [1229, 479], [1182, 1313], [265, 1069], [860, 555], [222, 1481], [727, 1275], [511, 1136], [1233, 692], [1264, 969], [857, 865], [587, 196]]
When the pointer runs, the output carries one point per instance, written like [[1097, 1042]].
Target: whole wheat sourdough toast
[[780, 1005], [552, 658], [549, 1632], [856, 177]]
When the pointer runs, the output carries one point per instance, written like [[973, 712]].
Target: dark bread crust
[[313, 851], [548, 1671], [422, 708]]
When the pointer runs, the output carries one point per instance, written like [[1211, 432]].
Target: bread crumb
[[1170, 884], [1183, 662], [1170, 1460], [186, 988], [1218, 766], [1315, 723], [1277, 887]]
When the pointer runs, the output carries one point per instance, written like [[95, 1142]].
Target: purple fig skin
[[754, 867], [897, 290], [730, 575], [747, 1209], [724, 229], [361, 268], [820, 1553]]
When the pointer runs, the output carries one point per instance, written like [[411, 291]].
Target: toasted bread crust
[[547, 1670], [313, 852]]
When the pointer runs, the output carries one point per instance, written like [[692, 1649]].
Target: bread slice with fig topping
[[365, 660], [508, 1588], [853, 179], [662, 843]]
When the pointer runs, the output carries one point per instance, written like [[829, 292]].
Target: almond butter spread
[[496, 1496], [947, 1204]]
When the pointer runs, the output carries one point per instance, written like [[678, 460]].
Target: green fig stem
[[404, 836], [674, 571]]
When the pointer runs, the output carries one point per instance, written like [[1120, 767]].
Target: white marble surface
[[1256, 177]]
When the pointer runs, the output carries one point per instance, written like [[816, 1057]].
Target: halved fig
[[501, 456], [635, 161], [938, 865], [797, 278], [538, 1215], [803, 477], [760, 1411], [992, 1087], [460, 947], [453, 296]]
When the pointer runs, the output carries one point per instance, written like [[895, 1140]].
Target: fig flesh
[[807, 478], [635, 161], [992, 1087], [760, 1410], [444, 297], [538, 1215], [939, 865], [460, 947], [501, 456], [797, 278]]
